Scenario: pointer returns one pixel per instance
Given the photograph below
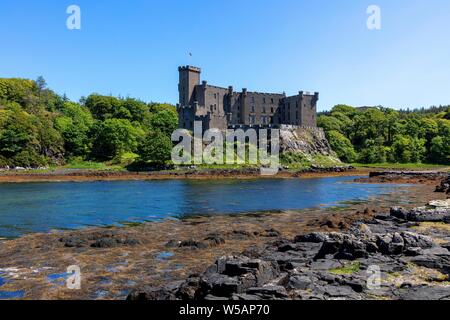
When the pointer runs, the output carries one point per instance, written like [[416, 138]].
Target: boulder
[[399, 213], [444, 186], [315, 237], [299, 282], [269, 292], [192, 244], [73, 241]]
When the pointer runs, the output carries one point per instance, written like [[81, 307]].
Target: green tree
[[106, 107], [329, 123], [342, 146], [155, 147], [75, 124], [113, 137], [17, 132], [344, 109], [165, 121], [373, 151], [440, 150], [402, 149]]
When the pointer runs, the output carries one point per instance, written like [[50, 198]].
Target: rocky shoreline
[[193, 173], [115, 261], [400, 255]]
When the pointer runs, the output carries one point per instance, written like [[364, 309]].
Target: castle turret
[[189, 78]]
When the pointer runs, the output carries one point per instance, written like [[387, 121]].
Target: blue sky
[[134, 48]]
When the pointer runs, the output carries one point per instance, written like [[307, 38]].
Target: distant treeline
[[40, 128], [379, 135]]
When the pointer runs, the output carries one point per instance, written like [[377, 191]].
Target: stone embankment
[[400, 255]]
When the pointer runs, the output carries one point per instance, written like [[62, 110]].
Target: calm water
[[40, 207]]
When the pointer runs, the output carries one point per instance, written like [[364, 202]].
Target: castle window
[[271, 100], [271, 109], [253, 108], [264, 110], [264, 100], [253, 99]]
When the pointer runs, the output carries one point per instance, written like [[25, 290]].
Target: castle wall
[[309, 110], [221, 107], [261, 108]]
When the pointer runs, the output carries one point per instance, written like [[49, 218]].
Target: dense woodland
[[379, 135], [39, 128]]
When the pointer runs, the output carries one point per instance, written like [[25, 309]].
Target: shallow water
[[41, 207], [4, 295]]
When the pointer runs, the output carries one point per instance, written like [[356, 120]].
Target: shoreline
[[71, 175], [374, 175], [116, 261]]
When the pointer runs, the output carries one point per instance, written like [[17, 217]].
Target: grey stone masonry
[[223, 108]]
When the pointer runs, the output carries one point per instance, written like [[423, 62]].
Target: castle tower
[[189, 78]]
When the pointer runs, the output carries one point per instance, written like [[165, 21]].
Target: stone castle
[[223, 108]]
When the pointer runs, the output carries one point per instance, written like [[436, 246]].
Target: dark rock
[[130, 242], [253, 252], [329, 247], [173, 244], [413, 251], [245, 297], [299, 282], [351, 250], [424, 293], [154, 293], [414, 240], [114, 242], [345, 292], [429, 215], [390, 244], [73, 242], [444, 186], [215, 240], [269, 292], [271, 233], [399, 212], [287, 247], [432, 261], [106, 243], [356, 283], [192, 244], [315, 237], [223, 286]]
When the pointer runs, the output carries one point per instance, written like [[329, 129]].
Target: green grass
[[298, 161], [91, 165], [402, 166], [350, 268]]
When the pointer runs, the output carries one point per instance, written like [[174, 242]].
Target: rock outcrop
[[444, 186], [310, 142], [381, 258]]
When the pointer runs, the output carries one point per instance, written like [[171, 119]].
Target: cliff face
[[309, 142]]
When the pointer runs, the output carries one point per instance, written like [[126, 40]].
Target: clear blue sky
[[134, 48]]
